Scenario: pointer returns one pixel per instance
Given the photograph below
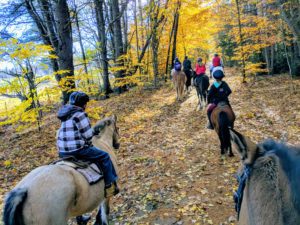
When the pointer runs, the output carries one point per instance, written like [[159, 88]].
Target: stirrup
[[111, 190]]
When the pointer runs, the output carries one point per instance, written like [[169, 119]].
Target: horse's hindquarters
[[54, 193], [50, 191]]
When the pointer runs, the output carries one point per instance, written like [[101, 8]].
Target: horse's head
[[108, 131], [247, 149]]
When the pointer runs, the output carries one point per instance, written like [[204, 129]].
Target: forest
[[121, 53]]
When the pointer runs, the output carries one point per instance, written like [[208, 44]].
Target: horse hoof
[[230, 154], [82, 220]]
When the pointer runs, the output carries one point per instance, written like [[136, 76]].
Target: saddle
[[89, 170], [222, 104]]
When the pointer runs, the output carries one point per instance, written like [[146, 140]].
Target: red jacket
[[200, 69], [216, 61]]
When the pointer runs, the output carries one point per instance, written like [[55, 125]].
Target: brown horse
[[179, 80], [222, 118], [51, 194], [269, 182]]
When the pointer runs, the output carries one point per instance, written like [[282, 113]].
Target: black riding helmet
[[218, 74], [78, 98]]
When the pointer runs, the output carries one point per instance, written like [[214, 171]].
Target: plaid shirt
[[75, 133]]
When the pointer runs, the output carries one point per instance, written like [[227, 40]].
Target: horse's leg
[[181, 90], [230, 153], [103, 212], [82, 220], [221, 143], [224, 134], [201, 102], [205, 97], [198, 94]]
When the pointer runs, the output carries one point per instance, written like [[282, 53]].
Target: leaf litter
[[171, 171]]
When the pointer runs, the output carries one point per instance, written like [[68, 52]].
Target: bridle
[[242, 178], [238, 195]]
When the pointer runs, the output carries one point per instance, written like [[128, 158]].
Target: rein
[[238, 195]]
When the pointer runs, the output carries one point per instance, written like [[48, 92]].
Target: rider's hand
[[96, 130]]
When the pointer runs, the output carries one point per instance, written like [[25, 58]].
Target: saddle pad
[[222, 104], [91, 172]]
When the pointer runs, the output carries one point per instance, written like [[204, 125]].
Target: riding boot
[[111, 190], [82, 220], [209, 125]]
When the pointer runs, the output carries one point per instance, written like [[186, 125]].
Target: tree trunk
[[56, 31], [272, 60], [290, 13], [125, 30], [118, 41], [102, 39], [141, 21], [176, 20], [65, 47], [136, 32], [154, 41], [169, 47], [241, 41], [266, 53], [46, 31], [81, 44]]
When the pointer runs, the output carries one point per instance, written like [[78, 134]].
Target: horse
[[222, 117], [201, 83], [269, 185], [179, 80], [51, 194], [188, 74]]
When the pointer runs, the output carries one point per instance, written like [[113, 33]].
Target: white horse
[[51, 194], [179, 79]]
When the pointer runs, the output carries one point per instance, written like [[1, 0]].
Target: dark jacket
[[187, 65], [220, 94], [67, 111]]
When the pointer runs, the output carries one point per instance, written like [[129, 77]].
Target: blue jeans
[[99, 157]]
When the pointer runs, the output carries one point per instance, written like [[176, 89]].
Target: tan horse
[[270, 193], [51, 194], [222, 118], [179, 79]]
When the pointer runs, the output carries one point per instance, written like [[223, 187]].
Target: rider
[[74, 139], [177, 64], [199, 69], [187, 66], [216, 63], [218, 92]]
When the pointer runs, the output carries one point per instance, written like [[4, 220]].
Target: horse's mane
[[289, 158]]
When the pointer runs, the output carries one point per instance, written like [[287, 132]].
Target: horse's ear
[[244, 146], [114, 118]]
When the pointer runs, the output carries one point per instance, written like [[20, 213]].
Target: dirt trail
[[171, 170]]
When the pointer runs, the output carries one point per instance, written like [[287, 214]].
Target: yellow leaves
[[7, 163], [21, 51], [61, 72], [95, 111]]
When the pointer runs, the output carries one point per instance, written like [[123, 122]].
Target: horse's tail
[[224, 133], [205, 84], [13, 208]]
